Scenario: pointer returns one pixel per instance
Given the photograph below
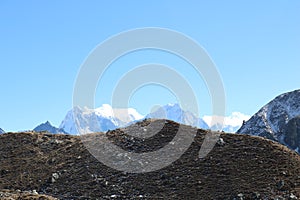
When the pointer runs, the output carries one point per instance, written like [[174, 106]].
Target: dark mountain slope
[[244, 167]]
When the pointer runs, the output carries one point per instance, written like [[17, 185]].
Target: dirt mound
[[243, 167]]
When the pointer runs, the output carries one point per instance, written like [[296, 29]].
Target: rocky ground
[[26, 195], [241, 167]]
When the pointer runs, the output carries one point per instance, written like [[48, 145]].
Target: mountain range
[[279, 120], [107, 118]]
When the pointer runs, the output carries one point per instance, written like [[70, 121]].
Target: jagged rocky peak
[[278, 120], [49, 128]]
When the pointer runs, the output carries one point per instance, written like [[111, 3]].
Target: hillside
[[25, 195], [244, 167]]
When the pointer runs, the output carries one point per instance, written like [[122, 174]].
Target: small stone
[[221, 141], [292, 197], [256, 195], [284, 173], [54, 177], [240, 196], [280, 184], [34, 192]]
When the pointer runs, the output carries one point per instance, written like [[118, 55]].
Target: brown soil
[[245, 167]]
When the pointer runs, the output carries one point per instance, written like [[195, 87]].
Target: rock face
[[48, 128], [278, 120], [238, 167], [292, 133]]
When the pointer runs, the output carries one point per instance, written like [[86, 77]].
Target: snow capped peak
[[99, 119], [172, 106], [124, 114], [175, 113], [230, 123], [127, 115], [105, 111]]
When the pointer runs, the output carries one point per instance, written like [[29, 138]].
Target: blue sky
[[254, 44]]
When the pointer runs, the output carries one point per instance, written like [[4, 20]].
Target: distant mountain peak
[[175, 113], [173, 105], [229, 124], [49, 128], [99, 119], [1, 131]]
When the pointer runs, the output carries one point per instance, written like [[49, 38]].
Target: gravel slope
[[244, 167]]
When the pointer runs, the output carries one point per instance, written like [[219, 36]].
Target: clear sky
[[254, 44]]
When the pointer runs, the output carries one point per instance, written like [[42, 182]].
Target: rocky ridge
[[272, 120]]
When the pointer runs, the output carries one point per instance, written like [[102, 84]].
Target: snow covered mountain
[[1, 131], [99, 119], [49, 128], [108, 118], [278, 120], [175, 113], [230, 123]]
